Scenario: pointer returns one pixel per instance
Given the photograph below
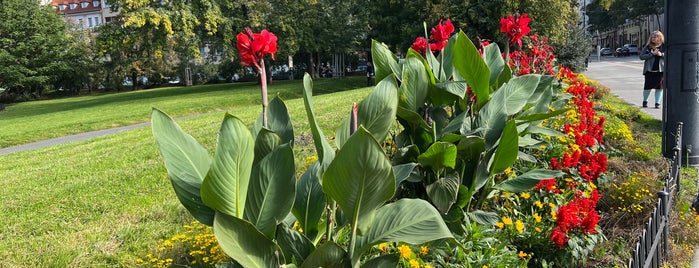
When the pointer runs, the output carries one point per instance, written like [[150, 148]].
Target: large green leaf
[[484, 217], [225, 187], [506, 152], [517, 92], [278, 120], [383, 261], [377, 112], [403, 172], [295, 245], [328, 254], [469, 63], [528, 180], [439, 156], [360, 179], [412, 221], [272, 190], [544, 86], [415, 83], [265, 142], [443, 192], [310, 200], [241, 241], [541, 116], [323, 148], [385, 62], [412, 118], [495, 62], [492, 118], [186, 162]]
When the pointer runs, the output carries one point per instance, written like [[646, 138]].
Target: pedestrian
[[653, 67], [369, 74]]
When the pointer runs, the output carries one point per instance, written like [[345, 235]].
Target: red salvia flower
[[440, 34], [515, 27], [254, 46]]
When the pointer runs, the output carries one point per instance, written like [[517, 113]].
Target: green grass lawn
[[107, 201], [39, 120]]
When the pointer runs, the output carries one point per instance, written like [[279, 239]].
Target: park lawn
[[40, 120], [108, 201]]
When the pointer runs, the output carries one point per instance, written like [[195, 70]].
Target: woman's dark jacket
[[650, 59]]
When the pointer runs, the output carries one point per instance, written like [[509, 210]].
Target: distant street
[[623, 76]]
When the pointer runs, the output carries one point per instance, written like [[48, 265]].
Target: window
[[61, 7], [73, 5], [95, 3], [89, 22], [80, 23], [97, 21], [84, 4]]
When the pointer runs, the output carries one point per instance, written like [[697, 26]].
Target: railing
[[651, 248]]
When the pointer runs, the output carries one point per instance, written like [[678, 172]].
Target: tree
[[33, 43]]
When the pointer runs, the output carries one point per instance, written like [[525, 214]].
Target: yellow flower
[[424, 250], [552, 205], [405, 251], [522, 254], [500, 225], [537, 218], [537, 229], [506, 220], [383, 247], [484, 266], [553, 215], [539, 204], [414, 263], [428, 266], [525, 195], [519, 225]]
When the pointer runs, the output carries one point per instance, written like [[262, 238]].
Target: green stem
[[263, 85], [353, 241]]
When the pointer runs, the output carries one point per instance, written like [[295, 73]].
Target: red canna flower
[[515, 27], [440, 34], [254, 46], [420, 45]]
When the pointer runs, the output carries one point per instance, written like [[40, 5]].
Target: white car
[[633, 49]]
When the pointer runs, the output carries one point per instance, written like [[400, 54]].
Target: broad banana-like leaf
[[325, 152], [272, 190], [460, 124], [415, 83], [265, 142], [295, 245], [241, 241], [540, 116], [412, 221], [403, 172], [310, 201], [383, 261], [544, 131], [187, 163], [278, 120], [495, 62], [385, 62], [435, 65], [506, 152], [360, 179], [328, 254], [484, 217], [443, 192], [439, 156], [505, 76], [527, 180], [544, 86], [377, 112], [469, 63], [447, 55], [225, 187], [517, 92], [412, 118], [492, 119]]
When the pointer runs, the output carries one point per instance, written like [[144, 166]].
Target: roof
[[77, 6]]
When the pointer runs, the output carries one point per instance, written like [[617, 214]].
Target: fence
[[651, 248]]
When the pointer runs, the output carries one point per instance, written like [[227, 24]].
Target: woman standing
[[653, 67]]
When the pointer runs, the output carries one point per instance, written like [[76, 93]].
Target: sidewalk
[[623, 76]]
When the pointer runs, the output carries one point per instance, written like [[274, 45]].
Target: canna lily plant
[[462, 119], [249, 194]]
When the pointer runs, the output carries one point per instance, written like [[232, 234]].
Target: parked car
[[633, 49], [605, 51], [621, 52]]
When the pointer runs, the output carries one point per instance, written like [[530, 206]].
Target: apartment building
[[85, 14]]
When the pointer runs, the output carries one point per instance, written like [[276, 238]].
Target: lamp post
[[681, 102]]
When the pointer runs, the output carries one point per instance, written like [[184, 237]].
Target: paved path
[[623, 76]]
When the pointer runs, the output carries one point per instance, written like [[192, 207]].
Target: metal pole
[[681, 100]]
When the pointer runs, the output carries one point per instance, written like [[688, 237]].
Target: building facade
[[85, 14], [631, 32]]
